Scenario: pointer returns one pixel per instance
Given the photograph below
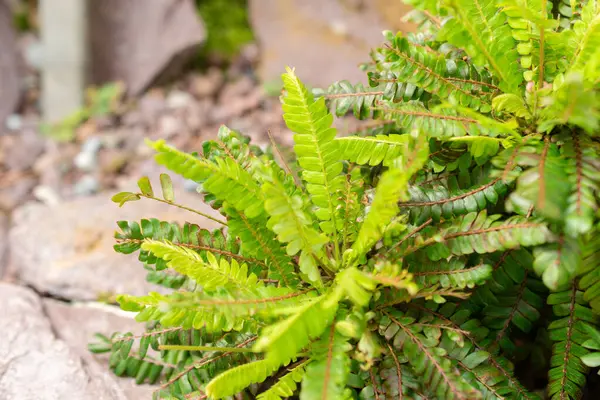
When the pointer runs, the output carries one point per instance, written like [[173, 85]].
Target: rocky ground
[[56, 218], [57, 225]]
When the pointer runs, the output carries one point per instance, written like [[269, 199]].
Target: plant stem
[[205, 348]]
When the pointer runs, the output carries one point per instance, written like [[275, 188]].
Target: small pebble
[[190, 186], [86, 161], [92, 145], [46, 195], [14, 122], [178, 99], [87, 185]]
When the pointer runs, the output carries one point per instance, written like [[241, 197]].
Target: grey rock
[[77, 260], [12, 64], [35, 364], [77, 323], [87, 159], [86, 185], [325, 40], [135, 41], [14, 122]]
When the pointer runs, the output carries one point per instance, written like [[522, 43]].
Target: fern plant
[[449, 250]]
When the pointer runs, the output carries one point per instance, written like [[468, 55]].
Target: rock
[[3, 243], [325, 40], [151, 105], [34, 363], [169, 125], [12, 65], [77, 323], [178, 99], [46, 195], [13, 195], [14, 122], [237, 105], [86, 161], [20, 151], [208, 84], [134, 41], [76, 260], [238, 88], [87, 185]]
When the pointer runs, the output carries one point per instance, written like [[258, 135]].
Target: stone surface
[[20, 151], [10, 63], [65, 52], [66, 250], [325, 40], [34, 364], [134, 41], [16, 193], [3, 243], [77, 323]]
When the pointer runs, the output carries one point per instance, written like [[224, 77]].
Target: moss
[[227, 25]]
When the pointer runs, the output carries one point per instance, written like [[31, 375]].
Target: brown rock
[[17, 193], [66, 250], [325, 40], [20, 151], [35, 364], [208, 84], [135, 41]]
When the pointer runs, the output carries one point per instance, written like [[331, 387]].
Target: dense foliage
[[454, 237]]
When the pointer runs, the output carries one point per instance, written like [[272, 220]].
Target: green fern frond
[[567, 373], [586, 54], [589, 271], [513, 297], [425, 357], [210, 274], [439, 202], [294, 226], [326, 374], [260, 242], [237, 378], [430, 71], [283, 340], [452, 273], [557, 263], [286, 386], [443, 123], [317, 151], [372, 150], [544, 184], [482, 31], [391, 188], [582, 168], [191, 236], [224, 177], [476, 233], [571, 103]]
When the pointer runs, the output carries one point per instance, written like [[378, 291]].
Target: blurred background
[[82, 84]]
